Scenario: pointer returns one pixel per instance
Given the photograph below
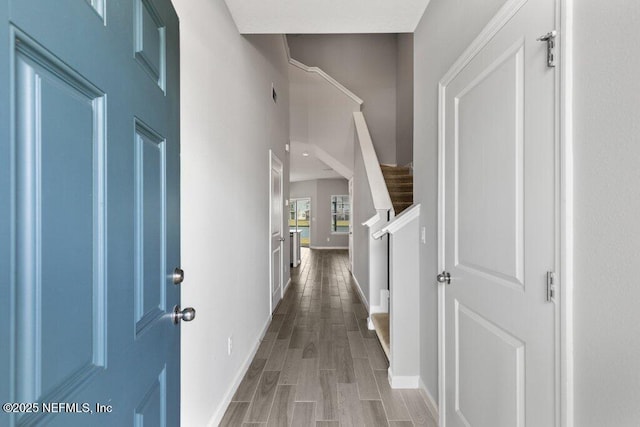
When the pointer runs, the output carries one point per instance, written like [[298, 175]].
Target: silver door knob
[[282, 239], [188, 314], [444, 277], [177, 276]]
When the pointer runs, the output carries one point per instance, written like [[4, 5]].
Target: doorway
[[300, 219], [497, 301]]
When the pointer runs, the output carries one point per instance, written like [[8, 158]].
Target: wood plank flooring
[[319, 365]]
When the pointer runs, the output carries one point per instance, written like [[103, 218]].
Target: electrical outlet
[[423, 235], [328, 239], [230, 345]]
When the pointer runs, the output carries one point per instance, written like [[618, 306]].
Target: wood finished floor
[[318, 364]]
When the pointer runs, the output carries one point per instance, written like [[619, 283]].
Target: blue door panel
[[89, 233], [150, 43], [150, 283], [58, 139], [151, 410]]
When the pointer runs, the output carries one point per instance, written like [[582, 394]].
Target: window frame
[[333, 221]]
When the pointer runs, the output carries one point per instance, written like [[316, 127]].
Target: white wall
[[229, 123], [445, 31], [320, 192], [366, 65], [404, 104], [607, 213]]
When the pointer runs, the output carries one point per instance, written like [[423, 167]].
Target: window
[[340, 214]]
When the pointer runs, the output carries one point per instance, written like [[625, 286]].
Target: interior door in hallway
[[499, 328], [277, 236], [89, 154]]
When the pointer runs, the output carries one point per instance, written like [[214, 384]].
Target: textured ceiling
[[326, 16]]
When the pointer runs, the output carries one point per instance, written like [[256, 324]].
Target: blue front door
[[89, 212]]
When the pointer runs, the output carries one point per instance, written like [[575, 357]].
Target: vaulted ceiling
[[326, 16]]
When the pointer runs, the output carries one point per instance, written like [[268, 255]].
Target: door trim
[[563, 206], [564, 172], [274, 160]]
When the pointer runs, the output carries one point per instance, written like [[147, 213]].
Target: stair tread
[[381, 325], [397, 200], [392, 168], [399, 178], [398, 209], [400, 186]]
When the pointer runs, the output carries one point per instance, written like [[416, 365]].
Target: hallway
[[318, 364]]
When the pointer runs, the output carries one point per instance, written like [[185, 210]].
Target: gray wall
[[229, 123], [444, 33], [607, 213], [404, 103], [320, 192], [366, 65]]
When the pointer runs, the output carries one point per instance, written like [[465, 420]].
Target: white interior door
[[498, 230], [277, 237]]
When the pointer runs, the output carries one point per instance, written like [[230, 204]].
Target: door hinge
[[551, 286], [550, 38]]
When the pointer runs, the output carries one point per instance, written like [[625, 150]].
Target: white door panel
[[276, 209], [489, 170], [499, 229]]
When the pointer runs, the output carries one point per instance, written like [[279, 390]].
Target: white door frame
[[563, 197], [296, 200], [564, 171], [274, 160]]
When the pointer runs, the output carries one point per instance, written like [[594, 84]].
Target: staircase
[[400, 185]]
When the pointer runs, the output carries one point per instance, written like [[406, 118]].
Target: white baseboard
[[286, 286], [398, 381], [222, 408], [362, 297], [431, 403], [329, 247]]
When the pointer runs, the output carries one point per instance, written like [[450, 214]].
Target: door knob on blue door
[[177, 276], [188, 314]]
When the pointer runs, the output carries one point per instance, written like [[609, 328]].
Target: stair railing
[[404, 309], [373, 210]]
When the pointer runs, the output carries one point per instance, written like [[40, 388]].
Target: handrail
[[379, 191], [321, 73], [399, 222], [328, 78], [372, 221]]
